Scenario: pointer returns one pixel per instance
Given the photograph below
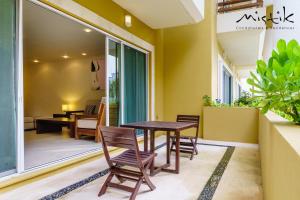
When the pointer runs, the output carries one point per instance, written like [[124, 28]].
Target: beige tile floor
[[48, 147], [241, 180], [242, 177]]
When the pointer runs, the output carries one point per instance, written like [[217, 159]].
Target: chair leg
[[195, 146], [97, 137], [146, 177], [105, 185], [173, 144], [149, 183], [77, 136], [192, 156], [136, 189], [195, 150]]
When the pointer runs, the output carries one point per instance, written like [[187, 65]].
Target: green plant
[[207, 100], [245, 100], [278, 81]]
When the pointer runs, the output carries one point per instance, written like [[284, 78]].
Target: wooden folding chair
[[188, 144], [125, 138]]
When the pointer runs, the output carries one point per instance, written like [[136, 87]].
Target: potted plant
[[277, 84]]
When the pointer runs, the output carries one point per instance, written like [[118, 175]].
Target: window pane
[[7, 87], [227, 87]]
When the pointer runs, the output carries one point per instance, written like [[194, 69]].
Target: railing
[[233, 5]]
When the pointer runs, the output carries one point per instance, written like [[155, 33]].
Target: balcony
[[225, 6], [241, 152]]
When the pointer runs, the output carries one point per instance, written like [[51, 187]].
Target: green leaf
[[265, 109], [256, 91], [252, 83], [277, 67], [261, 67], [254, 76], [263, 103], [290, 47], [296, 51], [281, 46]]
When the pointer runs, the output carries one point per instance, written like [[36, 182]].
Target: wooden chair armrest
[[85, 116]]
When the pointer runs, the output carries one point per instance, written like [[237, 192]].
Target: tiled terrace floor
[[218, 173]]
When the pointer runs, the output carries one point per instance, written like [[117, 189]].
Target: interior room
[[64, 76]]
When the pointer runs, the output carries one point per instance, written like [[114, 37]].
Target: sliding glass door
[[113, 82], [8, 87], [126, 84], [135, 85]]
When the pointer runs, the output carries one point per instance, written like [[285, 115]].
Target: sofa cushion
[[28, 119], [88, 123], [28, 125]]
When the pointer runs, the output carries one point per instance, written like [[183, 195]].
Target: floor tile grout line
[[213, 182]]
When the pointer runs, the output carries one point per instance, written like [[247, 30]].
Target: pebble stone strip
[[206, 194], [212, 183]]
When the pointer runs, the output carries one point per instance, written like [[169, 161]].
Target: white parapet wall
[[232, 124]]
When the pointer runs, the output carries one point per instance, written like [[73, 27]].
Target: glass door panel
[[135, 85], [227, 87], [7, 87], [113, 81]]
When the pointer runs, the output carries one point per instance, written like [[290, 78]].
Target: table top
[[58, 119], [160, 125]]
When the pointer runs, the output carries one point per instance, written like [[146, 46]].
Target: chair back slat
[[191, 119], [188, 118], [119, 137]]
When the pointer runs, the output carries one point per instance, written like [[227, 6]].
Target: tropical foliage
[[246, 100], [277, 83]]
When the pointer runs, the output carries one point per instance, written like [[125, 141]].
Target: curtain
[[135, 92]]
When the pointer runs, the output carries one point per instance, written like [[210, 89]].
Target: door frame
[[19, 63]]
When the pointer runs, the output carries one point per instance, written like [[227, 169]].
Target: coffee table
[[55, 125]]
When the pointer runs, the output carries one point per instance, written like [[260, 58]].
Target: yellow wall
[[189, 65], [279, 142], [49, 85], [230, 124]]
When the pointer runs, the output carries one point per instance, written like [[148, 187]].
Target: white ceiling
[[243, 48], [165, 13], [48, 36]]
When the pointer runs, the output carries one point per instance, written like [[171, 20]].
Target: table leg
[[146, 140], [152, 150], [177, 134], [168, 147]]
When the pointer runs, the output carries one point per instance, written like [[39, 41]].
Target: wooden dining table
[[153, 127]]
